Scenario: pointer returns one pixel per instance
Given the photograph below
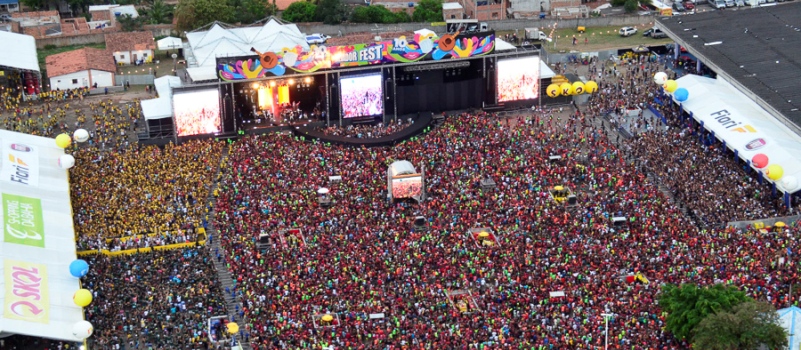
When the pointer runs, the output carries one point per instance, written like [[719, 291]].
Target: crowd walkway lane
[[233, 300]]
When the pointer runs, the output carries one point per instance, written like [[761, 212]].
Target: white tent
[[169, 43], [19, 51], [161, 107], [742, 124], [401, 167], [219, 41], [38, 241], [790, 319], [501, 45]]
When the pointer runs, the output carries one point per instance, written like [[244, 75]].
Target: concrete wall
[[59, 41], [102, 79], [504, 25], [65, 82]]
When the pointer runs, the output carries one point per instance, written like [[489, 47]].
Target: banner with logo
[[20, 163], [22, 220], [398, 50], [27, 295]]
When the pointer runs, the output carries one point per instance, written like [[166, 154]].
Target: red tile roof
[[117, 42], [79, 60]]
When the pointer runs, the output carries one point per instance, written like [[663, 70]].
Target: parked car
[[628, 31], [678, 7], [317, 38], [689, 5], [648, 32], [658, 34], [717, 4], [729, 3], [5, 17]]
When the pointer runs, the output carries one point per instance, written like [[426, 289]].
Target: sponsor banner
[[398, 50], [26, 297], [20, 164], [23, 222]]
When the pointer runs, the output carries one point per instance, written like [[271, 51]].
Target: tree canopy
[[330, 11], [192, 14], [747, 326], [377, 14], [300, 12], [428, 11], [688, 305], [249, 11]]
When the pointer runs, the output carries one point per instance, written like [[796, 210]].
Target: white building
[[86, 67], [132, 47]]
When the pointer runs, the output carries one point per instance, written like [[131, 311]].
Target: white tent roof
[[169, 43], [401, 167], [790, 319], [161, 107], [38, 240], [221, 42], [545, 71], [19, 51], [502, 45], [740, 121]]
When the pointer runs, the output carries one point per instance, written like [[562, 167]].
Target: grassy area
[[164, 67], [598, 38], [41, 54]]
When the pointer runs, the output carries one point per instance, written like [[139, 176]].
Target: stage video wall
[[362, 96], [518, 79], [407, 187], [197, 112]]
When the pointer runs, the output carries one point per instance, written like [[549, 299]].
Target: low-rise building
[[87, 67], [131, 47]]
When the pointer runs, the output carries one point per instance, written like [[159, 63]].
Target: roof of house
[[117, 42], [757, 50], [79, 60]]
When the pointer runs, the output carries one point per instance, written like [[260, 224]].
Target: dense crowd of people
[[157, 300], [365, 131]]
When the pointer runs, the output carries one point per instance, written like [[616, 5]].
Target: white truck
[[536, 35]]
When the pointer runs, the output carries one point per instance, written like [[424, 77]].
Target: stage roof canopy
[[220, 41], [756, 49], [744, 125], [38, 241], [19, 51], [401, 167], [161, 107], [790, 319]]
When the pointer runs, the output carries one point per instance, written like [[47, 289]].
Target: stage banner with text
[[27, 295], [23, 222], [398, 50]]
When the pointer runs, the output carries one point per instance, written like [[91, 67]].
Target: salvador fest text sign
[[398, 50]]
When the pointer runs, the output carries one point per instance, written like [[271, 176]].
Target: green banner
[[22, 220]]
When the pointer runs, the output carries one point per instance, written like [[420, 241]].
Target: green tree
[[130, 24], [688, 305], [630, 6], [401, 17], [159, 13], [373, 14], [37, 4], [747, 326], [428, 11], [192, 14], [330, 11], [300, 12]]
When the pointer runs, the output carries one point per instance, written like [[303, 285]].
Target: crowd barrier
[[105, 252]]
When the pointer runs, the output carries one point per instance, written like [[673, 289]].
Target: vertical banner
[[22, 220], [20, 164], [26, 297]]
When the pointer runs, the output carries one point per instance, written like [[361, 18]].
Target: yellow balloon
[[578, 88], [554, 90], [590, 87], [82, 297], [233, 328], [567, 89], [775, 171], [63, 140], [671, 85]]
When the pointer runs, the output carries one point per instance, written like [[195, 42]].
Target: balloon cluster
[[671, 86], [774, 172], [568, 89], [82, 297], [64, 140]]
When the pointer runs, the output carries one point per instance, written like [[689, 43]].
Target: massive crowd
[[157, 300]]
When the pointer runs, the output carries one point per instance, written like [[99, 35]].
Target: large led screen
[[197, 112], [518, 79], [407, 187], [362, 95]]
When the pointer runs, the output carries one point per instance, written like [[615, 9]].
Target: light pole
[[174, 56], [606, 329]]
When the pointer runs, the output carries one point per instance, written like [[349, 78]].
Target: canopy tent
[[790, 319], [38, 241], [219, 41], [545, 71], [401, 167], [19, 51], [170, 43], [161, 107], [743, 125], [501, 45]]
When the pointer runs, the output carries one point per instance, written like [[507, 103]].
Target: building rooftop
[[79, 60], [758, 50], [116, 42]]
